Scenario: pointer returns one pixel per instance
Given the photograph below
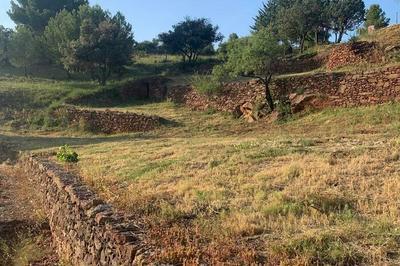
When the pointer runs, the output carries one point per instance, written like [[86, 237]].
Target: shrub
[[67, 155], [206, 84], [284, 109]]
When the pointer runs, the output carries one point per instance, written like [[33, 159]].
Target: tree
[[36, 13], [223, 47], [345, 15], [104, 46], [190, 37], [298, 21], [148, 47], [60, 32], [256, 56], [267, 16], [375, 16], [5, 38], [23, 48]]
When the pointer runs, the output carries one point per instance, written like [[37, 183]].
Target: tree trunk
[[268, 95], [341, 33], [302, 40], [316, 37], [68, 74], [26, 71]]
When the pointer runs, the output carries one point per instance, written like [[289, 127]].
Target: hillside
[[318, 186]]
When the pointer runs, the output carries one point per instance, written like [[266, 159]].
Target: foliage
[[36, 13], [345, 15], [296, 22], [60, 32], [256, 56], [24, 48], [190, 38], [104, 46], [67, 155], [206, 84], [375, 16], [148, 47], [5, 37]]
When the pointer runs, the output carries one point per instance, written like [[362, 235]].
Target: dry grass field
[[318, 189]]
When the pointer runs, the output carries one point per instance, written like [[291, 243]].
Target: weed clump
[[67, 155], [206, 84]]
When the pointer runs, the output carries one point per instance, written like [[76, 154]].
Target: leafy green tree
[[298, 21], [104, 46], [375, 16], [60, 32], [267, 16], [36, 13], [24, 50], [190, 38], [345, 15], [256, 56], [5, 38], [148, 47]]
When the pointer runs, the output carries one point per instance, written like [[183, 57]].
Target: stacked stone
[[85, 230], [354, 53], [336, 89], [109, 122]]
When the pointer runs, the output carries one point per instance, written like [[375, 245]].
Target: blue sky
[[150, 17]]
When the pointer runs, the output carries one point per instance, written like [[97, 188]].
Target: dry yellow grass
[[321, 189]]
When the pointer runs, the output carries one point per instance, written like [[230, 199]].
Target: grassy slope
[[319, 188], [323, 187]]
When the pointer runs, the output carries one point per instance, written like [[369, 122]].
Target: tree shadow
[[31, 143]]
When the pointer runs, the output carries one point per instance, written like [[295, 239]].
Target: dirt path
[[24, 233]]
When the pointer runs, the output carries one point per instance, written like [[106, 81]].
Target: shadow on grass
[[31, 143]]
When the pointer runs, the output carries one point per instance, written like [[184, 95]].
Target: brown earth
[[25, 236]]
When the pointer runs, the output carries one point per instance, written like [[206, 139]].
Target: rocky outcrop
[[85, 230], [109, 122]]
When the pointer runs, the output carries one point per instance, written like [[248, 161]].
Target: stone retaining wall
[[335, 89], [111, 121], [85, 230]]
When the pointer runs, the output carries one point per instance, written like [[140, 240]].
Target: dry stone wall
[[111, 121], [333, 89], [347, 89], [85, 230]]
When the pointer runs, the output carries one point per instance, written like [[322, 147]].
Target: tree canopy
[[190, 38], [36, 13], [104, 45], [5, 38], [256, 56], [298, 20], [376, 17], [60, 32], [23, 48], [345, 15]]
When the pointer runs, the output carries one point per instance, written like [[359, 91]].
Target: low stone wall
[[347, 89], [111, 121], [85, 230], [334, 89], [232, 95], [354, 53], [154, 88]]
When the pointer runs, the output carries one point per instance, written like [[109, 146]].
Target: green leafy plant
[[66, 154]]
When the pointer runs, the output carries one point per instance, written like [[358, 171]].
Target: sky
[[151, 17]]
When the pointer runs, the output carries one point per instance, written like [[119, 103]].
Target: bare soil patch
[[25, 237]]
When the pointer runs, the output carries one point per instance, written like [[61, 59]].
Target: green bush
[[67, 155], [206, 84]]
